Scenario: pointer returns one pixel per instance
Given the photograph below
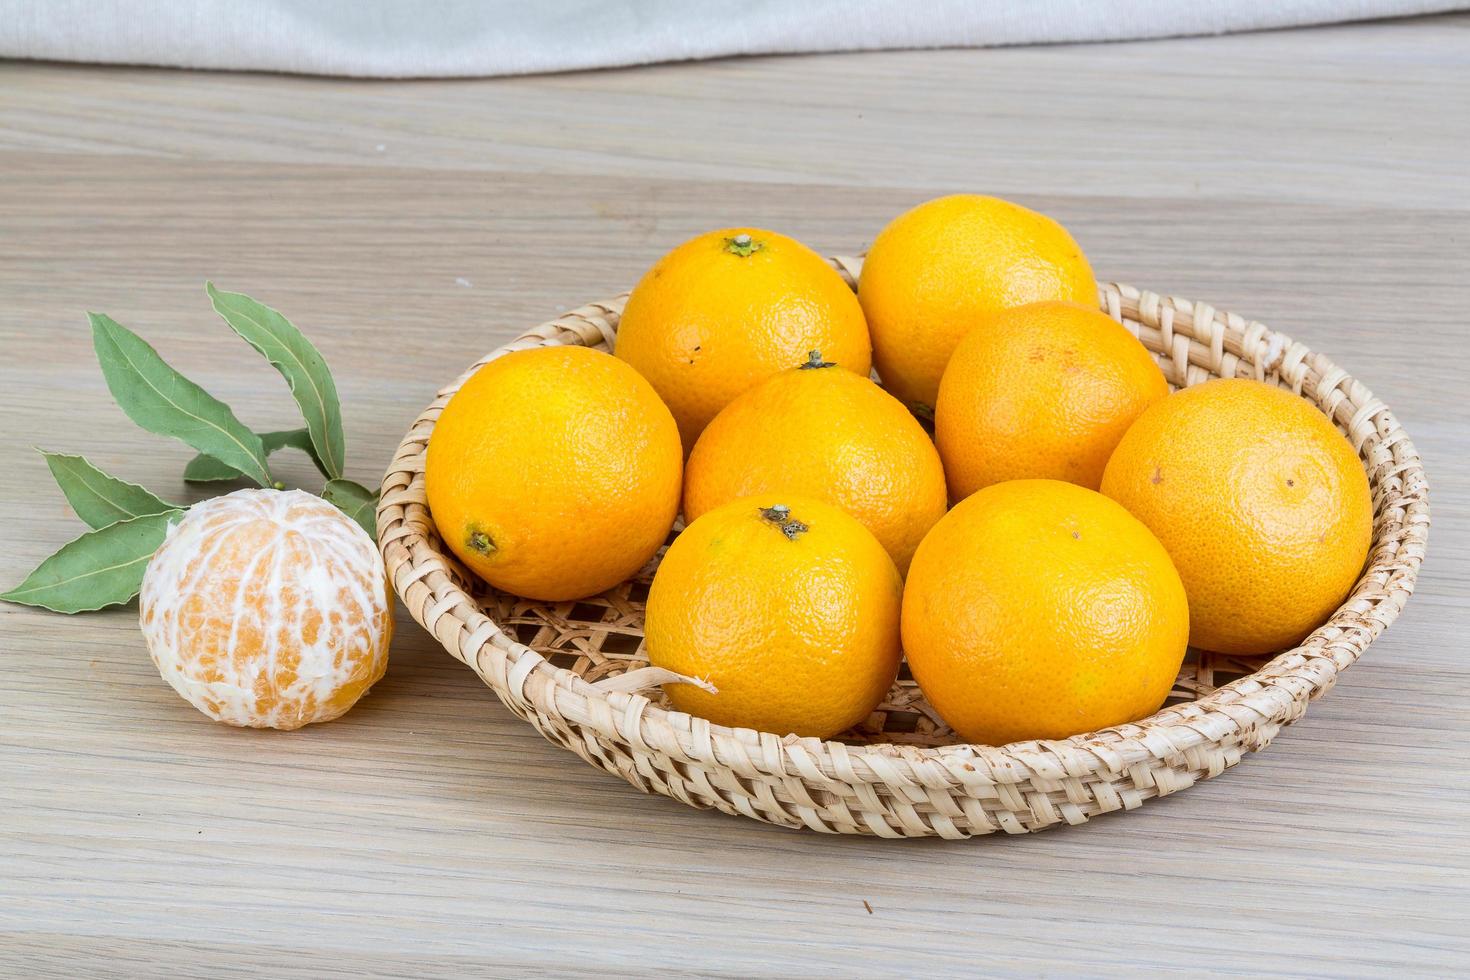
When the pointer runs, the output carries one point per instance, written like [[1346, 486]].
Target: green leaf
[[97, 498], [162, 400], [101, 568], [207, 469], [299, 363], [356, 501]]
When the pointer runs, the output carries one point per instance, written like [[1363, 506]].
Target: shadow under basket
[[904, 773]]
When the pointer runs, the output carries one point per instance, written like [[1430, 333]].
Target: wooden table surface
[[1315, 180]]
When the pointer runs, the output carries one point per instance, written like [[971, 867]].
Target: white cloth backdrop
[[420, 38]]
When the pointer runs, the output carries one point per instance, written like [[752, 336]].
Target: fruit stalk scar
[[780, 515], [814, 360], [480, 542], [743, 245]]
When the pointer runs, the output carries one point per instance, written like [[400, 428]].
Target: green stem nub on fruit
[[814, 360], [743, 245], [780, 515], [480, 542]]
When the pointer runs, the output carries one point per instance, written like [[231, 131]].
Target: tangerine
[[937, 268], [727, 309], [1041, 609], [821, 431], [268, 609], [1041, 391], [554, 472], [1261, 502], [787, 606]]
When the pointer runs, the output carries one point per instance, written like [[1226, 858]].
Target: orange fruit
[[824, 432], [267, 609], [729, 308], [1040, 609], [787, 606], [1262, 503], [935, 269], [554, 472], [1043, 391]]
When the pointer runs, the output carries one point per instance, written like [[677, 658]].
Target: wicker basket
[[902, 774]]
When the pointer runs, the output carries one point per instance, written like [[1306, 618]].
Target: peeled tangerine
[[268, 609]]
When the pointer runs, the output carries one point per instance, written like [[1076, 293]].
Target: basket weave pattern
[[902, 774]]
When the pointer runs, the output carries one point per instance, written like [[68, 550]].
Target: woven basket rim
[[427, 579]]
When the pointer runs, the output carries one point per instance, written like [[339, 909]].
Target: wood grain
[[1312, 179]]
